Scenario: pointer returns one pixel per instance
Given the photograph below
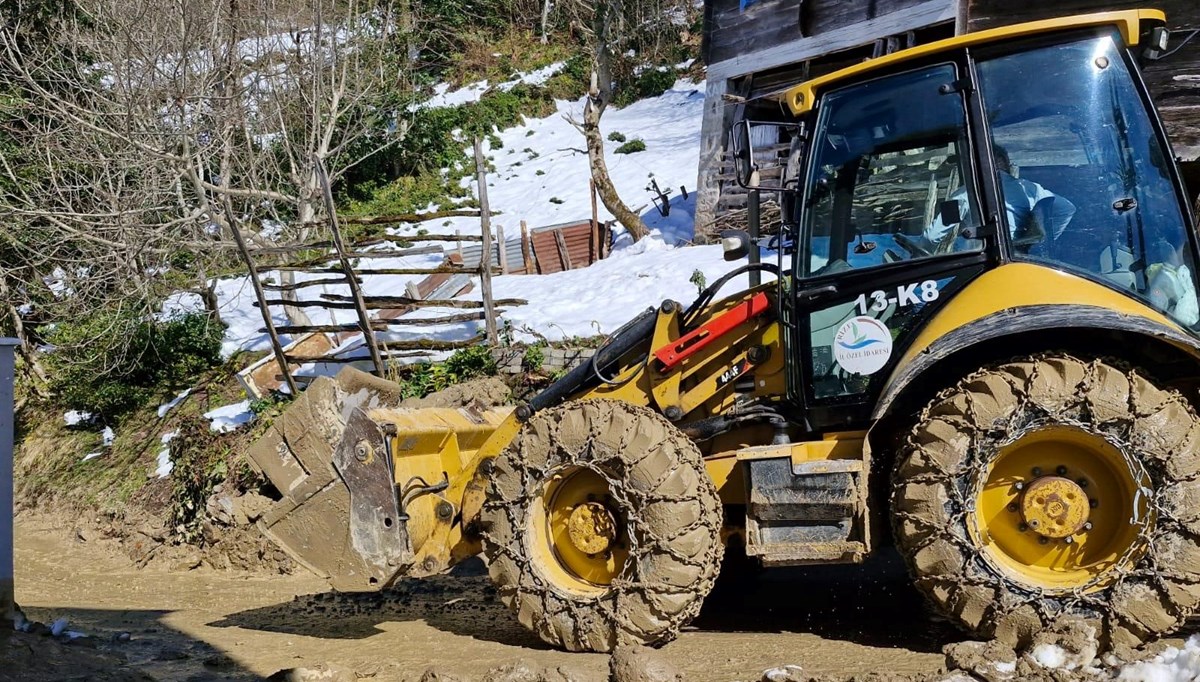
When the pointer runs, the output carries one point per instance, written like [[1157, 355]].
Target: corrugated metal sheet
[[512, 250], [564, 247]]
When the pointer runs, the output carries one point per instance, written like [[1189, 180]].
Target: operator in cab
[[1025, 201]]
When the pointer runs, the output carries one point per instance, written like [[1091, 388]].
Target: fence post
[[485, 260], [364, 318], [8, 604], [256, 284]]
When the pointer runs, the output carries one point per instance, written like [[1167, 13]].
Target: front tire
[[1054, 487], [601, 526]]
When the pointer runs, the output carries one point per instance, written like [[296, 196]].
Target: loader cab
[[922, 171]]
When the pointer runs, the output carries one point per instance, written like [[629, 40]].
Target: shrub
[[533, 358], [418, 381], [615, 136], [631, 147], [111, 362], [649, 83]]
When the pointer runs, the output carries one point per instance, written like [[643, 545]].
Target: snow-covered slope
[[535, 163]]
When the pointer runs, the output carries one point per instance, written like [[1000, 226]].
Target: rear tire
[[965, 510], [657, 546]]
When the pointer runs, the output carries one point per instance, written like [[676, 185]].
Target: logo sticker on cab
[[863, 345]]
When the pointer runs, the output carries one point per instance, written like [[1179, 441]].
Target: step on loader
[[978, 342]]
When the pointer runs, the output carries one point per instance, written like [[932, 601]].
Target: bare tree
[[612, 27], [144, 116]]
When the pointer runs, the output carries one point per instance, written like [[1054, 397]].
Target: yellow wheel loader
[[979, 343]]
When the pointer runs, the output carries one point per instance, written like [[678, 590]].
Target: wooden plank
[[863, 32], [502, 252], [562, 249], [527, 249], [389, 271], [304, 285], [485, 261], [256, 284], [364, 319]]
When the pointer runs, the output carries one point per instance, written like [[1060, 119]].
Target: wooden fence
[[375, 314], [333, 262]]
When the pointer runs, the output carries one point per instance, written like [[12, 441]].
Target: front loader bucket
[[330, 456]]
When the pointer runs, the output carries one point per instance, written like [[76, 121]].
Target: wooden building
[[756, 49]]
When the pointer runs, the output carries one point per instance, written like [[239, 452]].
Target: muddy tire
[[962, 510], [648, 575]]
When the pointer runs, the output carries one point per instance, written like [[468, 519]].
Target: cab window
[[891, 177], [1084, 178]]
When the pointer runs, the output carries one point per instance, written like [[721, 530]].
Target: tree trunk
[[36, 380], [604, 186], [600, 94], [545, 21]]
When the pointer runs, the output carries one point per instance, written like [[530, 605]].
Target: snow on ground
[[1172, 665], [165, 465], [443, 96], [536, 162], [107, 436], [230, 417], [76, 417], [167, 407], [543, 160]]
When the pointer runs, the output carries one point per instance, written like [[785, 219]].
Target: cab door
[[889, 225]]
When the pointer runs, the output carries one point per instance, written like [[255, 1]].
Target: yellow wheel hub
[[1054, 507], [1059, 508], [591, 528], [578, 531]]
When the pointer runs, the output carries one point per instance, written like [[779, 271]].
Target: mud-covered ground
[[206, 624], [155, 621]]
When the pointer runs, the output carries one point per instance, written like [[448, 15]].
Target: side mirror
[[1156, 41], [736, 244], [951, 212], [781, 136]]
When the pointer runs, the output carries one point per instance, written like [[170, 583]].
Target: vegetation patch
[[112, 362], [631, 147], [418, 381]]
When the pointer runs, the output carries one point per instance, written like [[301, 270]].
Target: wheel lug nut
[[1042, 540], [1033, 523], [1037, 471], [1022, 527], [1061, 470], [1093, 503], [1012, 506], [1068, 539], [1087, 526], [1019, 485], [1082, 482]]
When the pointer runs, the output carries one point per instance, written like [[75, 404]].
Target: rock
[[171, 654], [191, 559], [785, 673], [991, 661], [318, 673], [251, 507], [1070, 644], [514, 672], [121, 637], [432, 675], [640, 664]]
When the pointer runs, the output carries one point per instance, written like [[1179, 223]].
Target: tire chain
[[962, 485], [643, 543]]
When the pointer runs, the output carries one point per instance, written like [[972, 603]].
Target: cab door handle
[[809, 295]]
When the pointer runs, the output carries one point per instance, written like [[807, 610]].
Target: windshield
[[890, 179], [1084, 178]]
